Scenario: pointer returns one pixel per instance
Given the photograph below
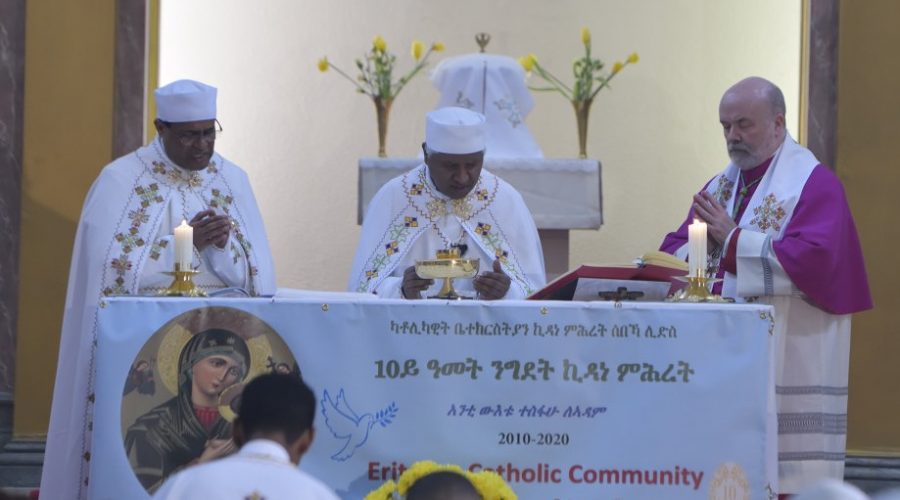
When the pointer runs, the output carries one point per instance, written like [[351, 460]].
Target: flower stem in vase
[[582, 114], [382, 110]]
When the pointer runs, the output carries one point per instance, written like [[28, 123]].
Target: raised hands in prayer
[[718, 222], [210, 229]]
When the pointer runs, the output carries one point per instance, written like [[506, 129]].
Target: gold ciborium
[[447, 266]]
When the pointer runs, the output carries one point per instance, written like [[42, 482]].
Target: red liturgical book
[[563, 288]]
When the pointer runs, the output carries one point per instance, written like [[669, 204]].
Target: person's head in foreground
[[454, 149], [752, 116], [279, 408], [443, 485], [427, 480], [186, 122]]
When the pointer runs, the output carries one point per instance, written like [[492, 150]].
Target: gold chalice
[[447, 266]]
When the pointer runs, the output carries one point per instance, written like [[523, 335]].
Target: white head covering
[[185, 101], [455, 130], [494, 86]]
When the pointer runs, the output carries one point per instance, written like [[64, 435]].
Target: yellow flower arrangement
[[488, 483], [376, 68], [590, 78], [376, 77], [587, 71]]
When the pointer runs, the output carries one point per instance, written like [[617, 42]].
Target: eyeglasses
[[189, 137]]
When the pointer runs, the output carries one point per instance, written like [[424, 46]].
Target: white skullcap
[[454, 130], [185, 101]]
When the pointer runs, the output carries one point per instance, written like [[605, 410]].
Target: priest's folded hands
[[210, 229], [710, 211]]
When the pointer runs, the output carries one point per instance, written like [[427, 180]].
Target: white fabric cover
[[494, 86]]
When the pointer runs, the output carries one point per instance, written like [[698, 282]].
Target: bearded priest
[[449, 203], [781, 233], [125, 242]]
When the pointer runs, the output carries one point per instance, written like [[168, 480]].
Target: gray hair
[[776, 98]]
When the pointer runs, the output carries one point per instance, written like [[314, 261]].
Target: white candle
[[697, 248], [184, 246]]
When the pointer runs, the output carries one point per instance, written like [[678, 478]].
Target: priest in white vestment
[[274, 429], [781, 233], [124, 243], [449, 202]]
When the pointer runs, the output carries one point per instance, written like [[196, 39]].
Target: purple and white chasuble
[[796, 249]]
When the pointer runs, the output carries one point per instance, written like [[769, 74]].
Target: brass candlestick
[[183, 284], [697, 289]]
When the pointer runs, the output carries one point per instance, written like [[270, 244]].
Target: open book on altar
[[649, 278]]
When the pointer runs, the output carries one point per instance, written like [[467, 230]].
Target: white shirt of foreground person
[[260, 470], [125, 241], [435, 207]]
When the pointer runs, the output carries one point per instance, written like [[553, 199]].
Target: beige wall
[[299, 133], [868, 113], [67, 140]]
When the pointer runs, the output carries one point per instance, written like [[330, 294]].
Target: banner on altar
[[564, 400]]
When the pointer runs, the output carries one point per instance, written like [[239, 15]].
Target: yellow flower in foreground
[[585, 36], [437, 47], [633, 58], [383, 492], [527, 62], [323, 64], [416, 49], [379, 44], [617, 67]]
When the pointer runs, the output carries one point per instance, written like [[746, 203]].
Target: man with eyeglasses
[[125, 243]]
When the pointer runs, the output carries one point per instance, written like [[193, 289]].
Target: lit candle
[[184, 246], [697, 249]]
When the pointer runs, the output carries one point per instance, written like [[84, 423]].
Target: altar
[[562, 399]]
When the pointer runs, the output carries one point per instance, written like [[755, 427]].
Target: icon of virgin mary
[[189, 428]]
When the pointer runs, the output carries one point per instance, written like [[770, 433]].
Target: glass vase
[[582, 114], [382, 112]]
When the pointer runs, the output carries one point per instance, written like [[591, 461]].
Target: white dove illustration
[[345, 424]]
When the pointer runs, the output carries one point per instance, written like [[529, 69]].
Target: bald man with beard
[[780, 232]]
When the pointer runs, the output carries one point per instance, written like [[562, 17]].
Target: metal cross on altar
[[620, 294]]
